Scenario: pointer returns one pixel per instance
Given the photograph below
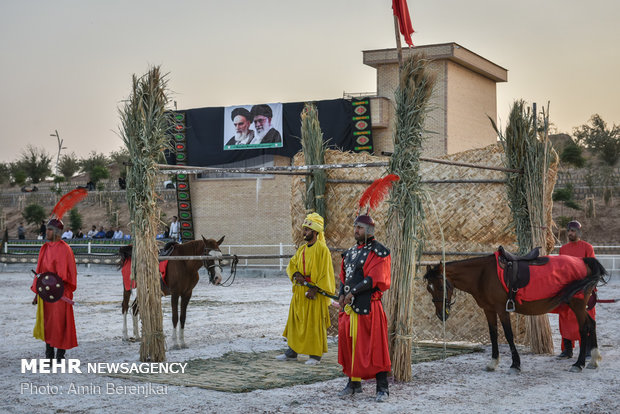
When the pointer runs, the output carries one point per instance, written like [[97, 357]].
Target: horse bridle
[[216, 262], [446, 301]]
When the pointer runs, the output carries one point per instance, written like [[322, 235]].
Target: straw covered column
[[528, 149], [406, 214], [145, 124]]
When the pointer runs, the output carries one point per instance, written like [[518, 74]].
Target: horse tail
[[124, 254], [597, 274]]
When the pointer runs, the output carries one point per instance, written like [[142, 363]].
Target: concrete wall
[[471, 97], [245, 210]]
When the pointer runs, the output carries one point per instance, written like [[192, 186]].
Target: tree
[[68, 165], [18, 175], [603, 141], [96, 166], [4, 172], [34, 214], [36, 163], [572, 154], [75, 219]]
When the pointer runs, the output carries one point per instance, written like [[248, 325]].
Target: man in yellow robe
[[308, 317]]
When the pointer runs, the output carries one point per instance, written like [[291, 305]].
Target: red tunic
[[569, 327], [371, 352], [57, 257], [129, 284]]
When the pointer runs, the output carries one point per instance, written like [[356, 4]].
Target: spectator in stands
[[100, 234], [21, 231], [78, 234], [67, 234], [109, 234], [118, 234], [92, 232]]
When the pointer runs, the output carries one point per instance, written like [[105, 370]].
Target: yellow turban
[[315, 222]]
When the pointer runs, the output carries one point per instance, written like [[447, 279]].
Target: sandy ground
[[250, 316]]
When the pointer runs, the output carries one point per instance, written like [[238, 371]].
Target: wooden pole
[[399, 49]]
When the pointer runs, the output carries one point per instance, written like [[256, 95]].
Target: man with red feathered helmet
[[55, 283], [362, 324]]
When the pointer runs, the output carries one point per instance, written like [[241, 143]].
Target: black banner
[[205, 129]]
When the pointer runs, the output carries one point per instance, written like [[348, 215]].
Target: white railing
[[276, 249]]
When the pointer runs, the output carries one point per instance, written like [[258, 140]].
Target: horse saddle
[[517, 271], [168, 248]]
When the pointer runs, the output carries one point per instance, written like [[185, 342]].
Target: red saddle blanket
[[126, 272], [547, 281]]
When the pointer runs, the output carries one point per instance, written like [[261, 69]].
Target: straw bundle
[[533, 154], [314, 152], [145, 124], [406, 212]]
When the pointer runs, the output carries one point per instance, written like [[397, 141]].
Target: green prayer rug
[[249, 371]]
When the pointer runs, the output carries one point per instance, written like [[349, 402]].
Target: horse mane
[[598, 273], [471, 259]]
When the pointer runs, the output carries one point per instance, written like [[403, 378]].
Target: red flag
[[401, 11]]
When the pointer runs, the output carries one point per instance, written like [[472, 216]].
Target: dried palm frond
[[528, 149], [406, 213], [314, 154], [145, 124]]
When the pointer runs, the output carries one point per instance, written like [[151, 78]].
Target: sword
[[63, 298], [321, 291]]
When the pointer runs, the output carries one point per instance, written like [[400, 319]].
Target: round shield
[[50, 287]]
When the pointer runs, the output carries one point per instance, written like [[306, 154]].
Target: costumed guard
[[569, 327], [362, 324], [311, 272], [55, 283]]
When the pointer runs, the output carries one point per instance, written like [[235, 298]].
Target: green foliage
[[68, 165], [34, 214], [4, 172], [572, 154], [35, 162], [99, 173], [563, 221], [565, 195], [93, 161], [603, 141], [121, 159], [75, 219], [18, 175]]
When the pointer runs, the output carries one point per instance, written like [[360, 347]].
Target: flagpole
[[399, 49]]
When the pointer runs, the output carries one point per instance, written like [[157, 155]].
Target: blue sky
[[67, 64]]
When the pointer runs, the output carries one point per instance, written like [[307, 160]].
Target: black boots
[[382, 387], [568, 349], [353, 387], [49, 353]]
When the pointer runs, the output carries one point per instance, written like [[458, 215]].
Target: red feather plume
[[68, 201], [376, 192], [365, 198]]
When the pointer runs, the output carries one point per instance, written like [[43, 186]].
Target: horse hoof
[[592, 365], [125, 339], [183, 346], [575, 368], [492, 365], [175, 346], [515, 371]]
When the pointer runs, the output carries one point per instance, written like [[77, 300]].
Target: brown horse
[[181, 278], [479, 278]]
